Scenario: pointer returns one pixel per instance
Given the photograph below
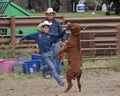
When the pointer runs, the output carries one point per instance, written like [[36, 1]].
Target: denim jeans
[[49, 66], [55, 48]]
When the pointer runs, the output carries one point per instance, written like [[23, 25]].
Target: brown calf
[[72, 48]]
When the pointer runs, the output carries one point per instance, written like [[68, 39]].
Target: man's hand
[[64, 29]]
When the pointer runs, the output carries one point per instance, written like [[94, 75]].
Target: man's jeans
[[55, 48], [49, 66]]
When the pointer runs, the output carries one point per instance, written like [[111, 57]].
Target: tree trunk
[[65, 6]]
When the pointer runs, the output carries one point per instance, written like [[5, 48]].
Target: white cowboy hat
[[43, 24], [50, 10]]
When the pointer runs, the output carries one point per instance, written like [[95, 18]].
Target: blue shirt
[[44, 40], [55, 28]]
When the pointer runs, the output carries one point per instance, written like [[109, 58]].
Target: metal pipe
[[49, 3]]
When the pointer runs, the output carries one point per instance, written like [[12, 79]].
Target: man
[[44, 40], [55, 29]]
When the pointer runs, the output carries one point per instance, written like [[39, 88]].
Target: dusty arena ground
[[92, 85]]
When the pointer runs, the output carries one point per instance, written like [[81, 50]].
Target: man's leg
[[45, 71], [57, 61], [53, 71]]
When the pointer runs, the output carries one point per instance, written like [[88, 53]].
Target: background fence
[[99, 41]]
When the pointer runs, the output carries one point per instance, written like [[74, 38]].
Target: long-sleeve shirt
[[44, 40], [55, 28]]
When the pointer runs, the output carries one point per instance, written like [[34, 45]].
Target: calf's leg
[[69, 82], [78, 82]]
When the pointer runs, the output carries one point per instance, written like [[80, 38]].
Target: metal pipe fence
[[100, 40]]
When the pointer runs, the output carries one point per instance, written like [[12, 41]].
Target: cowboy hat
[[43, 24], [50, 10]]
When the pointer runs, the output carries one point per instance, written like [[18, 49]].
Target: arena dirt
[[92, 85]]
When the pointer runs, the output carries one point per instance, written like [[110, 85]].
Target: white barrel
[[80, 8], [104, 8]]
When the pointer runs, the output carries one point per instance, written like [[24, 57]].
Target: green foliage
[[55, 5]]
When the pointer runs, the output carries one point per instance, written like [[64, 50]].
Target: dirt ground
[[103, 85]]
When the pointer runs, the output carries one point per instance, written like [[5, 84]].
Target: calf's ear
[[69, 25], [68, 22], [84, 27]]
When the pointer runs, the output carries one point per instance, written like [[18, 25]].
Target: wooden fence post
[[118, 41], [92, 44], [13, 32]]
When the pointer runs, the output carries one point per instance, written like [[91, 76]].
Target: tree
[[56, 5]]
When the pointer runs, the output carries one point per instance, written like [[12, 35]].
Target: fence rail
[[100, 38]]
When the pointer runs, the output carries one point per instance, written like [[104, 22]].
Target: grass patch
[[7, 53], [95, 72], [95, 63], [114, 65], [19, 76], [89, 68], [98, 67], [78, 14]]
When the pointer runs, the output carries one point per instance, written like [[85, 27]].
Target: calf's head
[[74, 27]]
